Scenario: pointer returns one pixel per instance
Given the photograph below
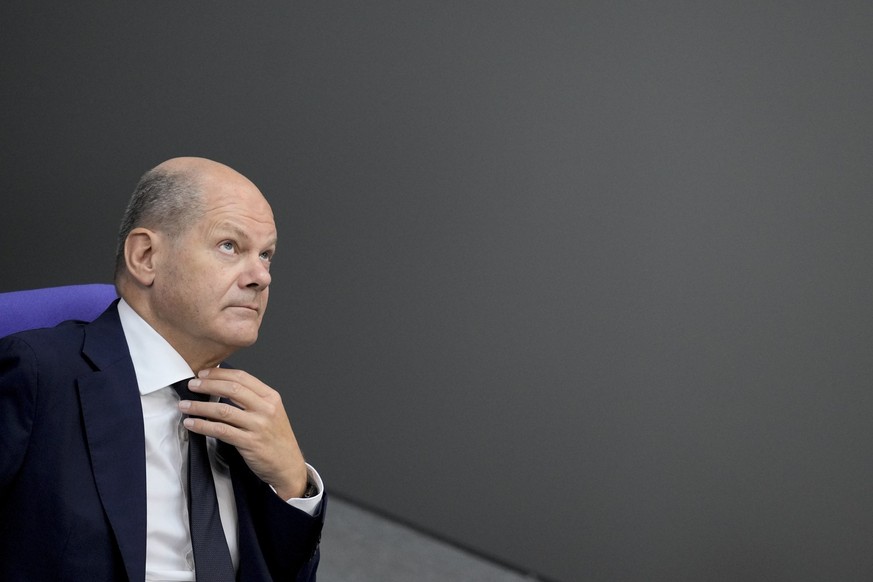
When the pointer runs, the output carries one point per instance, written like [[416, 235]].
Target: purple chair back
[[21, 310]]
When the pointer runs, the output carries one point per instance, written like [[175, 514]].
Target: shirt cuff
[[308, 504]]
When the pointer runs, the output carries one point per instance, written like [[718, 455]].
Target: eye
[[267, 256], [227, 247]]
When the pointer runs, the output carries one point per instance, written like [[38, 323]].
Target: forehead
[[237, 208]]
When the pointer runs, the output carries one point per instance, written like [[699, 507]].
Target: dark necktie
[[212, 561]]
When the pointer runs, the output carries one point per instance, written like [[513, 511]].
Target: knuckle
[[273, 400]]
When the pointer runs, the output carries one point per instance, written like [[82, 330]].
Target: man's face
[[211, 283]]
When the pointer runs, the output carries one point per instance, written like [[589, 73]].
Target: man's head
[[194, 254]]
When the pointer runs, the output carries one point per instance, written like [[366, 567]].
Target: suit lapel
[[112, 415]]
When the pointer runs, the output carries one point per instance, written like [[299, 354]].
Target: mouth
[[253, 308]]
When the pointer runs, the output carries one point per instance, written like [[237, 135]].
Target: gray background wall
[[581, 286]]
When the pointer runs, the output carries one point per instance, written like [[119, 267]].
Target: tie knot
[[181, 388]]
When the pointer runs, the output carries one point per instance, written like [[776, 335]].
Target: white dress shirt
[[169, 556]]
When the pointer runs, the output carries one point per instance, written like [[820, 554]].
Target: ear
[[139, 254]]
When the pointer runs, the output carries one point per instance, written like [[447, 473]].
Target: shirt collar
[[155, 362]]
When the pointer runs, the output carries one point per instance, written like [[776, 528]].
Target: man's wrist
[[311, 504]]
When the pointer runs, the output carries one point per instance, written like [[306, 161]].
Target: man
[[94, 437]]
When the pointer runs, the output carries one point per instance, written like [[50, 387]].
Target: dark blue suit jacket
[[72, 468]]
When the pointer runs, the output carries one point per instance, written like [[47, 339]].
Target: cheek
[[191, 292], [200, 279]]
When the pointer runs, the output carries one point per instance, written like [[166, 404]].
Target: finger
[[218, 412], [219, 430], [239, 376], [240, 394]]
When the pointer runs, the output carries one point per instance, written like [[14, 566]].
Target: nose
[[257, 275]]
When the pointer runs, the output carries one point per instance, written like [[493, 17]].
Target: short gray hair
[[166, 201]]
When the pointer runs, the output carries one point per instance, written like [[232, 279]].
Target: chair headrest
[[34, 308]]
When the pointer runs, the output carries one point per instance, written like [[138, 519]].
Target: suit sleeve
[[276, 540], [18, 380]]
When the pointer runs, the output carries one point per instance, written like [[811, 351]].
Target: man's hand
[[259, 428]]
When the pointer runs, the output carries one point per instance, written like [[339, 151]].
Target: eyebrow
[[239, 234]]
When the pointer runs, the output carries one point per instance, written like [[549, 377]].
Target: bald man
[[93, 436]]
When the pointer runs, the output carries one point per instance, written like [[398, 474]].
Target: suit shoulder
[[60, 341]]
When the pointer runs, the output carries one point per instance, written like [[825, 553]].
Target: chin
[[238, 333], [243, 340]]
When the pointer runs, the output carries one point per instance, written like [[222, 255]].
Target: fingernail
[[188, 422], [185, 404], [203, 373], [194, 383]]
